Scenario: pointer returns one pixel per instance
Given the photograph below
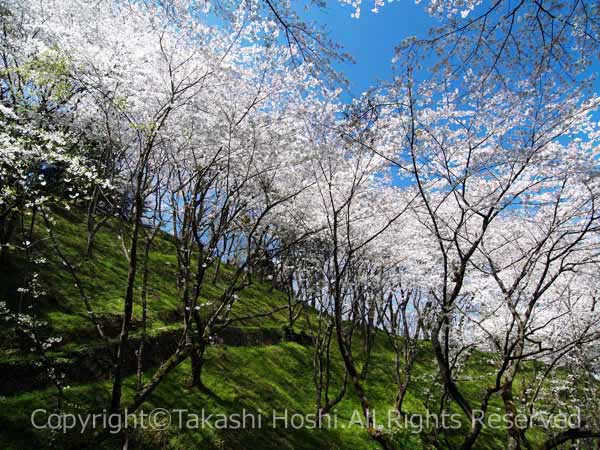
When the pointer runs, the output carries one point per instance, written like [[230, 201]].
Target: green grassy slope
[[103, 278], [258, 379]]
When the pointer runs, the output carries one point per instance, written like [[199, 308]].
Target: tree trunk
[[197, 356], [123, 347], [140, 353]]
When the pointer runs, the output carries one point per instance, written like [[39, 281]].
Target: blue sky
[[371, 39]]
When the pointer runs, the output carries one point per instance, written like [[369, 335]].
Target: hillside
[[266, 224], [254, 367]]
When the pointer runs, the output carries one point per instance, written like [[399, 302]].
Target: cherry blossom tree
[[482, 160]]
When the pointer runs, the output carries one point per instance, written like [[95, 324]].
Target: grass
[[104, 276], [259, 380], [256, 379]]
